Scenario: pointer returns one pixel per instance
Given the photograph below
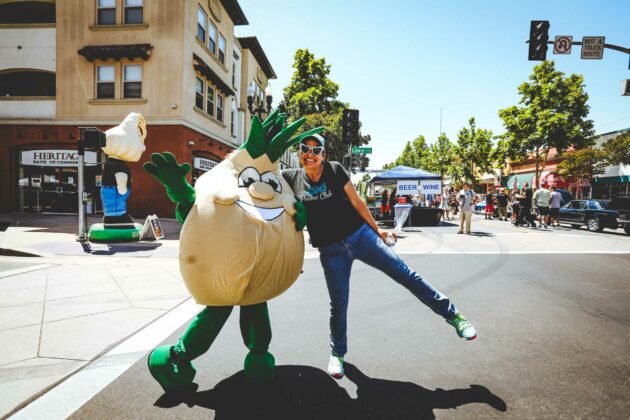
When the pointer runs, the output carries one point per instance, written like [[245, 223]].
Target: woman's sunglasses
[[315, 150]]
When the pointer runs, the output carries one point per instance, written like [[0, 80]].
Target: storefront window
[[48, 180]]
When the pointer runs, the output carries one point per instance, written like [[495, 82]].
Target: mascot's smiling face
[[239, 245]]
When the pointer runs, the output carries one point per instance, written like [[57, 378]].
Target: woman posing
[[342, 228]]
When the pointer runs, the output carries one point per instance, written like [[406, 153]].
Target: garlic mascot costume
[[241, 244], [124, 143]]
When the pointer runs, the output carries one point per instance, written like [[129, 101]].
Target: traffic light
[[350, 123], [538, 37]]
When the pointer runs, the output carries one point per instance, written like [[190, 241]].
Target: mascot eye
[[272, 180], [248, 177]]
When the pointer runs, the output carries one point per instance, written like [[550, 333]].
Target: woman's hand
[[383, 233]]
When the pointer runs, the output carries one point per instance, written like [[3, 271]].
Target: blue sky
[[399, 61]]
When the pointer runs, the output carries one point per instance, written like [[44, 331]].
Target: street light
[[251, 91]]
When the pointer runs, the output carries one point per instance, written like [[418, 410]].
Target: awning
[[611, 179], [520, 179], [212, 77], [404, 173], [116, 52]]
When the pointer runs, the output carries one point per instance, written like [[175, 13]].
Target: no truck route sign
[[593, 47]]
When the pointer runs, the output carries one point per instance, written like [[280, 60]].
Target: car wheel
[[573, 225], [594, 225], [627, 229]]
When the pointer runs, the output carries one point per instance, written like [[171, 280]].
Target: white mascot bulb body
[[239, 245]]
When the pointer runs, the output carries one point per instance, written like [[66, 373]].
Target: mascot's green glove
[[165, 169], [300, 216]]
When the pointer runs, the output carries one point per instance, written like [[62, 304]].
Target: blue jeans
[[365, 245]]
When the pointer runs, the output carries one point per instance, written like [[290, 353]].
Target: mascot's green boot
[[259, 368], [173, 372]]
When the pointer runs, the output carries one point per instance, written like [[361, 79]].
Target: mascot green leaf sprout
[[241, 244]]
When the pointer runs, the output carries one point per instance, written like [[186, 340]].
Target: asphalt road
[[553, 341]]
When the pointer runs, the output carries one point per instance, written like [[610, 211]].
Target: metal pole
[[80, 187]]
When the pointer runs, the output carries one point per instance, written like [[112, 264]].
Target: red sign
[[402, 200]]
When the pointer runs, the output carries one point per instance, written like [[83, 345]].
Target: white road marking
[[17, 271]]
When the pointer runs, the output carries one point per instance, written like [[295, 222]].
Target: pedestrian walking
[[343, 230], [489, 210], [384, 203], [555, 201], [525, 211], [541, 201], [392, 202], [454, 203], [445, 204], [467, 199], [516, 205], [502, 203]]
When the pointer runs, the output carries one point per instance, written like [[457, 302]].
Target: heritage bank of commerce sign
[[58, 158]]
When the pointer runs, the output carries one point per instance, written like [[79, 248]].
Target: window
[[220, 108], [232, 117], [235, 70], [133, 11], [212, 37], [202, 21], [27, 83], [106, 12], [221, 49], [27, 12], [210, 101], [105, 82], [132, 81], [199, 93]]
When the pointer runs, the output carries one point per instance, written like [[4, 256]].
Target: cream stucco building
[[66, 64]]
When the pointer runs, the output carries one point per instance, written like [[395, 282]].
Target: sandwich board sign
[[593, 47], [152, 225]]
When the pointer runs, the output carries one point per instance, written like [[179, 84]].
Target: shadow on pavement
[[304, 392], [97, 248], [484, 234]]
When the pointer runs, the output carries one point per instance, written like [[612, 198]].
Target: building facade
[[77, 63], [615, 181]]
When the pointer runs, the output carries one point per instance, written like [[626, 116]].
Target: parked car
[[592, 213], [622, 206]]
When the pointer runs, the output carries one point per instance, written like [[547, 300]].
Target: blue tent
[[403, 173]]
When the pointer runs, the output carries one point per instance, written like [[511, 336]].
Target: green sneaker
[[463, 327]]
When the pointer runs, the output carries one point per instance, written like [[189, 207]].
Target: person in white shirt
[[541, 202], [555, 201], [467, 199]]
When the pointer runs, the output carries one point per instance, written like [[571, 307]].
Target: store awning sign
[[431, 187], [407, 187], [204, 164], [59, 158]]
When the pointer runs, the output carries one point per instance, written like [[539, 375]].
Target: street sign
[[592, 47], [562, 44], [362, 150]]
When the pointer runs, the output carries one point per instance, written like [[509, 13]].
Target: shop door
[[48, 189]]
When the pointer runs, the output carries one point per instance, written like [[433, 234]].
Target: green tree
[[552, 113], [414, 154], [583, 164], [474, 148], [440, 156], [313, 95], [617, 150]]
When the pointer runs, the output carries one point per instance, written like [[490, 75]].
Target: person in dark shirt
[[502, 203], [342, 228], [489, 204], [525, 211]]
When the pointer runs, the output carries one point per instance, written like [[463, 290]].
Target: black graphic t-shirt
[[330, 216], [110, 168]]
